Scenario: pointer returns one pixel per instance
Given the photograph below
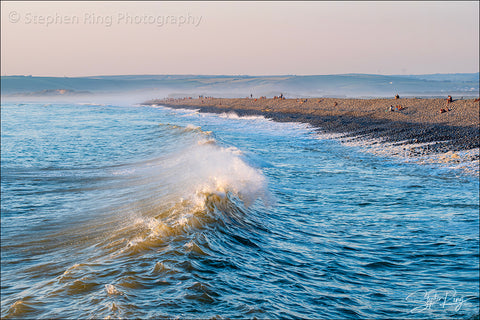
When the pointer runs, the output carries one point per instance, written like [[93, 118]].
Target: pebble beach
[[432, 125]]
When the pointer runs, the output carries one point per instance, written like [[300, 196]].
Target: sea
[[122, 211]]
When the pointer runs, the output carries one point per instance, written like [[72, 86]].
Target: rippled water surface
[[137, 212]]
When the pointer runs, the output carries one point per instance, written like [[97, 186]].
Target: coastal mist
[[131, 211]]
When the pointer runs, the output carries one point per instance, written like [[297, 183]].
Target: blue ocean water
[[136, 212]]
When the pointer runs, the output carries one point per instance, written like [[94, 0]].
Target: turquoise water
[[136, 212]]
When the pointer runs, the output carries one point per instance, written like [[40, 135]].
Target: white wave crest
[[233, 115]]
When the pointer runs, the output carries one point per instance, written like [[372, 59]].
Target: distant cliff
[[343, 85], [52, 92]]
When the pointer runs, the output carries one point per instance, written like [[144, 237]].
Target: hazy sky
[[256, 38]]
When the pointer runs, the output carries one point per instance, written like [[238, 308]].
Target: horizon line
[[235, 75]]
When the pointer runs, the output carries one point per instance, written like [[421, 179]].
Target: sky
[[87, 38]]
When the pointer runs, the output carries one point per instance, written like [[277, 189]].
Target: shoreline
[[418, 121]]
